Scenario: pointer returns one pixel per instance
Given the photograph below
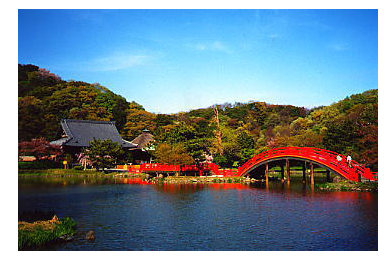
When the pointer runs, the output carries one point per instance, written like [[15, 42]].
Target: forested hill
[[349, 126]]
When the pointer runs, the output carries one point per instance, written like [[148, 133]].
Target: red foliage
[[40, 148], [47, 74], [369, 141]]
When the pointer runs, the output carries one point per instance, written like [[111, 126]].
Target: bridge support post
[[282, 172], [312, 175], [327, 175], [304, 171], [288, 170], [266, 173]]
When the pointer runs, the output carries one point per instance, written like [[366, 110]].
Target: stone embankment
[[198, 179]]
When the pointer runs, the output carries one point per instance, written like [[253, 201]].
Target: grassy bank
[[37, 234], [76, 173], [349, 186], [62, 172]]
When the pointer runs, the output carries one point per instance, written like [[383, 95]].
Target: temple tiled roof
[[80, 132], [143, 139]]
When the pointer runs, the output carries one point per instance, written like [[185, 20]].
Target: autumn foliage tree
[[40, 148], [172, 154], [369, 140], [137, 120]]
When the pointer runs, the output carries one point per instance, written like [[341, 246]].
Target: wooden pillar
[[266, 173], [327, 175], [282, 172], [304, 171], [312, 174], [288, 170]]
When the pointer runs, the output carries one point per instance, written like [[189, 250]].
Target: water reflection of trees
[[43, 182], [295, 188]]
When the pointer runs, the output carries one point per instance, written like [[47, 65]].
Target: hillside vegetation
[[241, 130]]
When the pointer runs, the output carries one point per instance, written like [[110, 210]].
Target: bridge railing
[[159, 167]]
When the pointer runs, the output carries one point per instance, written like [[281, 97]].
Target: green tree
[[103, 153], [198, 148], [114, 104], [245, 141], [30, 113], [176, 133], [163, 120], [35, 81], [340, 135]]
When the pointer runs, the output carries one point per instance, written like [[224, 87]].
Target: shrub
[[78, 167], [39, 164]]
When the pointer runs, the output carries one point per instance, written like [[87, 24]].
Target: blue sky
[[177, 60]]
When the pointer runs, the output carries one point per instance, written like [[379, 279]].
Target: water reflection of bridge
[[296, 188]]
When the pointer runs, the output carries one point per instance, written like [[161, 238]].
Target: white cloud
[[200, 47], [112, 62], [273, 36], [95, 16], [338, 46], [213, 46], [117, 62], [218, 46]]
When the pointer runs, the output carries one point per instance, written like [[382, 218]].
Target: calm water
[[128, 215]]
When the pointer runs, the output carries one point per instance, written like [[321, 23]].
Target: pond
[[129, 214]]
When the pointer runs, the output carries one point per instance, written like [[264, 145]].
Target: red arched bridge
[[260, 164], [324, 158]]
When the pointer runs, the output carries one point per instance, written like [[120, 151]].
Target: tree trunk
[[218, 133]]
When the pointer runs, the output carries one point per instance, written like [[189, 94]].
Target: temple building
[[144, 143], [78, 134]]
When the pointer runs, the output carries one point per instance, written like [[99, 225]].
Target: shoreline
[[341, 185]]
